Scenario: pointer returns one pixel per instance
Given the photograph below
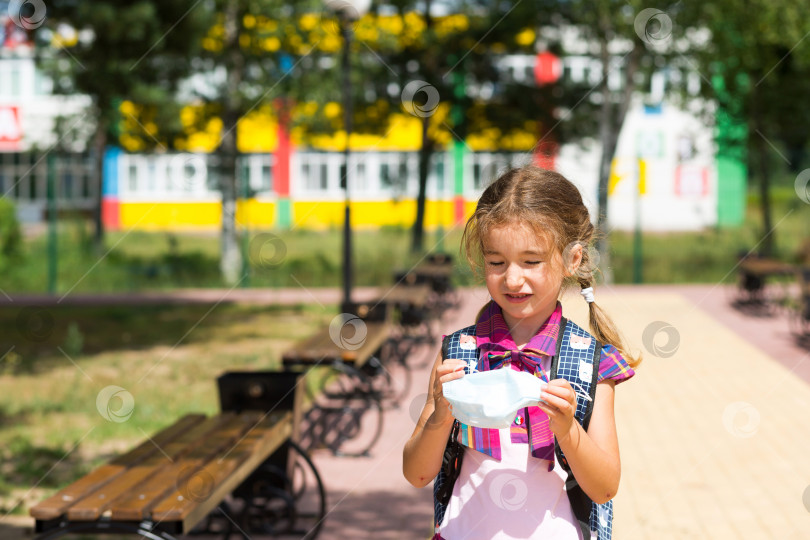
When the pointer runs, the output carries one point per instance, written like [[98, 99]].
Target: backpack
[[573, 361]]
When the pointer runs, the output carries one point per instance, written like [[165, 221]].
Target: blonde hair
[[552, 206]]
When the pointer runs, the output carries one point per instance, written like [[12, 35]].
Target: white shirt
[[515, 498]]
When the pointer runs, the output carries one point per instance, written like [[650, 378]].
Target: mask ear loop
[[581, 392]]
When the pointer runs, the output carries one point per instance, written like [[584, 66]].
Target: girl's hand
[[449, 370], [560, 406]]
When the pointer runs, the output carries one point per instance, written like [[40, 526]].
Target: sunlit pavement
[[714, 429]]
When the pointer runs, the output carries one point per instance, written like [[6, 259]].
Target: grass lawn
[[138, 260], [166, 357]]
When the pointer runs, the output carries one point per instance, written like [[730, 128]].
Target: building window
[[324, 178], [67, 185], [360, 177], [314, 180], [385, 176], [266, 178], [132, 178], [16, 87], [438, 170]]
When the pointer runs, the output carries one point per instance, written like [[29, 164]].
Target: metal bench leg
[[799, 317], [390, 374], [310, 521], [285, 504], [352, 417]]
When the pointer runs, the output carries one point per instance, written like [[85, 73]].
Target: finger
[[442, 374], [550, 411], [564, 392], [552, 400], [451, 376], [558, 385], [451, 365]]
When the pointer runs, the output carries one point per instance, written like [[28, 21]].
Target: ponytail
[[605, 331]]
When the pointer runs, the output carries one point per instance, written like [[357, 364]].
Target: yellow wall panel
[[161, 216], [306, 214], [469, 209], [201, 216], [438, 213], [379, 213], [253, 213], [317, 214]]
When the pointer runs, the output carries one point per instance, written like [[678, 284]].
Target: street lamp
[[348, 11]]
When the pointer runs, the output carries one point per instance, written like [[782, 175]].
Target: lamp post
[[348, 11]]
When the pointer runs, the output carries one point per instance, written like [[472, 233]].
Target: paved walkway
[[302, 295], [714, 430]]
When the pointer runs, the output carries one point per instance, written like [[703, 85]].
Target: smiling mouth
[[517, 296]]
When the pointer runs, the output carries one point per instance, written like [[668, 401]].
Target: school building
[[668, 174]]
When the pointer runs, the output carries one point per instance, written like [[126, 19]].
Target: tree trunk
[[426, 150], [768, 232], [230, 256], [99, 144], [608, 139], [610, 126], [768, 241]]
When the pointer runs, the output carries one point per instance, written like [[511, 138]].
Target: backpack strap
[[453, 347], [577, 360]]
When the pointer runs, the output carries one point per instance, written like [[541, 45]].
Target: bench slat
[[226, 472], [134, 504], [412, 295], [61, 501], [765, 267], [97, 503], [320, 349], [434, 270]]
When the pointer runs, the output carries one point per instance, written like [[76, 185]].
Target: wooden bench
[[415, 310], [346, 416], [172, 481], [753, 273], [168, 483], [322, 349], [405, 296], [437, 272]]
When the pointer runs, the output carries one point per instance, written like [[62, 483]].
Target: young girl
[[528, 232]]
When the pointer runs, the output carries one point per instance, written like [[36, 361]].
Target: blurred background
[[167, 136], [161, 146]]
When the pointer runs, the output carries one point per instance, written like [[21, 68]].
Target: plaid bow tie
[[529, 358]]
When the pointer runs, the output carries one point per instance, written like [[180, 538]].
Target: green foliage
[[74, 340], [10, 363], [756, 56], [125, 50], [10, 236]]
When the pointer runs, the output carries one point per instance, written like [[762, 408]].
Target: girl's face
[[524, 274]]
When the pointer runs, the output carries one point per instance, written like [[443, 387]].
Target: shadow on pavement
[[378, 514]]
